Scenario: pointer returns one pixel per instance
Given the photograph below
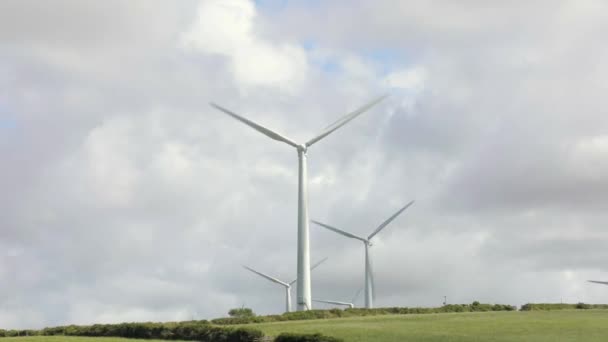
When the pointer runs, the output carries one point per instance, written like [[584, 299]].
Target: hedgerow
[[291, 337], [217, 331], [17, 333], [561, 306], [189, 331], [355, 312]]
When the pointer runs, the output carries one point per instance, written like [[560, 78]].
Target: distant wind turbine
[[303, 286], [369, 275], [282, 283]]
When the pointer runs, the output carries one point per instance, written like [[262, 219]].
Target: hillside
[[541, 326], [535, 326]]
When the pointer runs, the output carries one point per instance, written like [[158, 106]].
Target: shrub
[[561, 306], [191, 330], [583, 306], [241, 312], [356, 312], [245, 334]]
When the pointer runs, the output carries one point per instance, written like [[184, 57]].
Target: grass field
[[541, 326], [581, 325]]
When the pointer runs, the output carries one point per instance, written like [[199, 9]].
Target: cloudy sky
[[125, 197]]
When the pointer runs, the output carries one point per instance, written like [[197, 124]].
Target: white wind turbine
[[282, 283], [303, 285], [369, 276]]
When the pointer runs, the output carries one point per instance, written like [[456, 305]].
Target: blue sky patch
[[271, 4], [7, 121], [389, 59], [309, 44], [281, 4]]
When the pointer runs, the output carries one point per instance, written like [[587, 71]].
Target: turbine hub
[[303, 148]]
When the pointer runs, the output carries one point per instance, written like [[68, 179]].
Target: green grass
[[537, 326], [549, 326]]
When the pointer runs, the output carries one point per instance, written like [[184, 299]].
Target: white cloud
[[227, 28], [594, 147], [108, 156], [588, 157], [117, 165], [411, 79], [175, 163]]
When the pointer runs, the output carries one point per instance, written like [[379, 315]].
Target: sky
[[126, 197]]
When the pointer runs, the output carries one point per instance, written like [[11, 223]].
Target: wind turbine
[[282, 283], [303, 286], [369, 276], [598, 282]]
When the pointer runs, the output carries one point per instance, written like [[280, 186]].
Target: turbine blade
[[356, 295], [318, 263], [339, 231], [312, 268], [598, 282], [385, 223], [332, 302], [272, 279], [267, 132], [343, 121]]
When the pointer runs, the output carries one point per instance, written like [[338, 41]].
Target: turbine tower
[[282, 283], [369, 276], [598, 282], [303, 286]]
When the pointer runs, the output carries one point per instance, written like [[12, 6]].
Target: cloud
[[126, 197], [411, 79], [227, 28]]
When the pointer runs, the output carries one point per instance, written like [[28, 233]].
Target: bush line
[[561, 306], [291, 337], [188, 331], [355, 312], [215, 331]]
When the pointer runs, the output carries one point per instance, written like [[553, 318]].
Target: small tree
[[241, 312]]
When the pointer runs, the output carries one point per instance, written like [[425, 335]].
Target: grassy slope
[[587, 325], [541, 326]]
